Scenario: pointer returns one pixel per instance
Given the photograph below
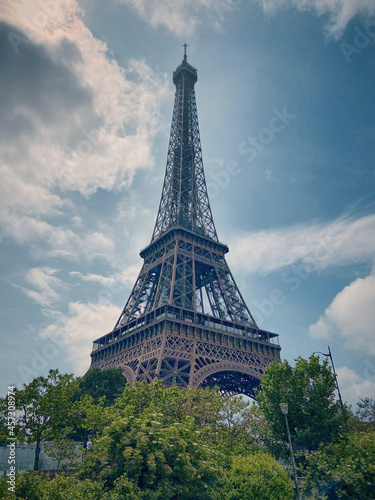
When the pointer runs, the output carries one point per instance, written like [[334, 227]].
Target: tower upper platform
[[187, 70]]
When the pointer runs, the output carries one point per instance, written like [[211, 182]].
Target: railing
[[190, 317]]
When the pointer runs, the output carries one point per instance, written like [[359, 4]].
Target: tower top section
[[185, 69], [184, 201]]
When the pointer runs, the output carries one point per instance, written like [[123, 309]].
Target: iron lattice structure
[[186, 321]]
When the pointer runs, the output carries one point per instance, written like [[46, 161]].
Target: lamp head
[[284, 408]]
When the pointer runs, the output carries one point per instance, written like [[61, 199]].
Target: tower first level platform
[[188, 349]]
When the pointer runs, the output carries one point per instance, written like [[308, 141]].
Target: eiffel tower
[[186, 322]]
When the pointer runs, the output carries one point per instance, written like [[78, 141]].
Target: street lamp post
[[284, 411], [329, 355]]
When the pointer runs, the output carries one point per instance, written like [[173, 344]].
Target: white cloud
[[77, 330], [180, 17], [343, 241], [78, 122], [41, 19], [340, 12], [47, 240], [46, 286], [351, 317], [16, 194], [354, 386], [115, 281]]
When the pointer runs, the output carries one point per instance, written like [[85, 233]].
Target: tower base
[[188, 349]]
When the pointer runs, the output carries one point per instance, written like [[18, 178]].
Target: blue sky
[[286, 106]]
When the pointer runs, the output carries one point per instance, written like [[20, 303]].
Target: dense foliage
[[160, 460], [257, 476], [108, 384], [34, 486], [343, 470], [152, 442]]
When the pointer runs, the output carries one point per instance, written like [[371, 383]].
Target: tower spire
[[184, 46]]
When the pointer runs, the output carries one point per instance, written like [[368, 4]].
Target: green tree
[[344, 470], [234, 432], [366, 411], [222, 420], [203, 405], [45, 405], [315, 416], [97, 392], [257, 476], [141, 454], [61, 449], [109, 383], [89, 419]]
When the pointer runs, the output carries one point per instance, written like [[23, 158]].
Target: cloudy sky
[[286, 106]]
